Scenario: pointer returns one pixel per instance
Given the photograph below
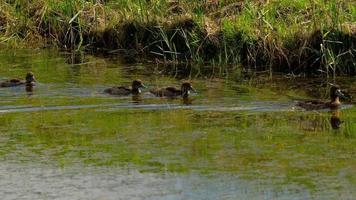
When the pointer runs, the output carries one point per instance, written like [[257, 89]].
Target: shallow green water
[[232, 140]]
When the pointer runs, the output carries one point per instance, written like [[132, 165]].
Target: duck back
[[167, 92], [118, 91], [313, 105], [12, 83]]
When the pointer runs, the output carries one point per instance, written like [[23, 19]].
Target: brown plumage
[[335, 94], [184, 91], [122, 90], [28, 82]]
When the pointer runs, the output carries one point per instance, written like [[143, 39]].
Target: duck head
[[30, 78], [186, 88], [136, 85], [336, 93]]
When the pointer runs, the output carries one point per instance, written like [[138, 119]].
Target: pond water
[[234, 139]]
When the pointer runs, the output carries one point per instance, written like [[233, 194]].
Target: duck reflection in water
[[187, 101], [335, 120], [29, 90], [136, 98]]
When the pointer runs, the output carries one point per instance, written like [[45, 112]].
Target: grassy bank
[[299, 36]]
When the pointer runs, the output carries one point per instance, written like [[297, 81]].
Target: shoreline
[[290, 37]]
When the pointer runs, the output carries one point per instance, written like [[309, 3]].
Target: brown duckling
[[28, 82], [335, 94], [184, 91], [122, 90]]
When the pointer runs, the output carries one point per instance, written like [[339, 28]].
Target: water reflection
[[335, 120], [75, 58], [187, 101], [29, 90], [136, 99], [70, 126], [75, 61]]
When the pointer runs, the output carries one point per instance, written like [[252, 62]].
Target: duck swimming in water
[[28, 82], [335, 94], [184, 91], [122, 90]]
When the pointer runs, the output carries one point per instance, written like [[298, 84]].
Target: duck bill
[[32, 80], [339, 93], [143, 86], [192, 89]]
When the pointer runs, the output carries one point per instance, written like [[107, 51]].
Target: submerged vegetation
[[298, 36]]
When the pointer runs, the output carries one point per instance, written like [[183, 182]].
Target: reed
[[299, 36]]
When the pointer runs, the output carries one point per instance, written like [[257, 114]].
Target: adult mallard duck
[[184, 91], [334, 103], [122, 90], [28, 82]]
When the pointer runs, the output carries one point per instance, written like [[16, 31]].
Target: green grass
[[275, 35]]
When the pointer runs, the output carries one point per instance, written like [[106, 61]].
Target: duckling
[[28, 82], [122, 90], [184, 91], [335, 94]]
